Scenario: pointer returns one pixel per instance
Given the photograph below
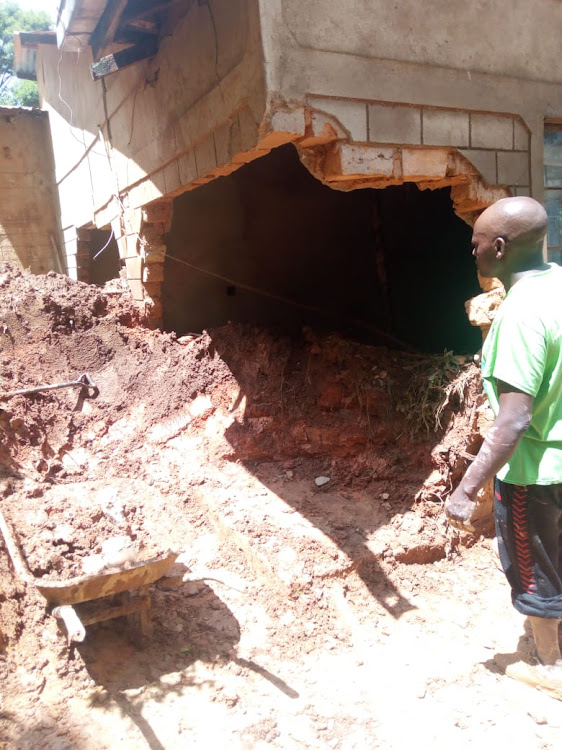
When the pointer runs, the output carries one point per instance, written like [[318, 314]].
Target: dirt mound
[[197, 444], [261, 395]]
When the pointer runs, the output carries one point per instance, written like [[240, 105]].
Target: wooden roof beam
[[108, 24]]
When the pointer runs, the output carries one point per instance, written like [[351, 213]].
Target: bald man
[[522, 374]]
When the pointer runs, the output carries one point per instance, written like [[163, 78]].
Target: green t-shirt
[[524, 349]]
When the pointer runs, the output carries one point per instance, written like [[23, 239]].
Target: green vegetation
[[12, 18]]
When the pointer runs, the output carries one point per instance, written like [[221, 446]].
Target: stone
[[321, 481]]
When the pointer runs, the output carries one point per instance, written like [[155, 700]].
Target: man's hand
[[459, 509]]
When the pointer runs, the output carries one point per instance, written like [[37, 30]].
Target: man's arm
[[513, 419]]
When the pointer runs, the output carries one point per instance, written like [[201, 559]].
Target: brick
[[394, 124], [491, 131], [205, 157], [485, 163], [134, 268], [513, 168], [445, 128], [351, 114], [424, 162], [154, 254], [155, 213], [520, 136], [153, 273], [352, 159]]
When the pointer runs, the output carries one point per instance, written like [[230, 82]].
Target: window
[[553, 189]]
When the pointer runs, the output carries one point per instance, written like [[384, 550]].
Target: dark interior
[[106, 265], [270, 244]]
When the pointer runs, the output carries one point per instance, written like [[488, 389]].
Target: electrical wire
[[294, 303]]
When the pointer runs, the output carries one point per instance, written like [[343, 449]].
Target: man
[[522, 374]]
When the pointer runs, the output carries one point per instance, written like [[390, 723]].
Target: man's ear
[[500, 245]]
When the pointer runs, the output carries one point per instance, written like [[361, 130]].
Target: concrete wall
[[454, 59], [29, 229], [156, 127]]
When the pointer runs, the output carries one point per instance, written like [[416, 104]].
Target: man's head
[[508, 237]]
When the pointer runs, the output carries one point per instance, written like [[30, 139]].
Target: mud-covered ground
[[338, 614]]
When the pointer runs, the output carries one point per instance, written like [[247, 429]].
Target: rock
[[321, 481]]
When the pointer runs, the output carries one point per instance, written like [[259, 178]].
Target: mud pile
[[81, 473]]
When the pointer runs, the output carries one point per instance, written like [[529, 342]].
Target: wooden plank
[[107, 26], [118, 60]]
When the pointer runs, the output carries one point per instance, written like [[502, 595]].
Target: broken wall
[[29, 230], [474, 76], [372, 94]]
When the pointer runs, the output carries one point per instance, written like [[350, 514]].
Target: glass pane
[[553, 155], [553, 199]]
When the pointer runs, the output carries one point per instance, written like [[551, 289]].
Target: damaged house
[[296, 162]]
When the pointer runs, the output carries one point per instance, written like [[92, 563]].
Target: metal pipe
[[74, 628], [84, 381]]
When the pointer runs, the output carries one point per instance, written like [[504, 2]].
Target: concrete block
[[485, 163], [351, 114], [394, 124], [513, 168], [520, 136], [187, 168], [491, 131], [445, 128], [134, 267], [71, 262], [424, 162], [249, 130], [285, 121], [205, 157], [352, 159], [223, 144], [145, 192], [171, 176], [322, 128], [133, 220], [137, 289]]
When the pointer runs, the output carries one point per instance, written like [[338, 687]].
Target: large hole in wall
[[367, 263]]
